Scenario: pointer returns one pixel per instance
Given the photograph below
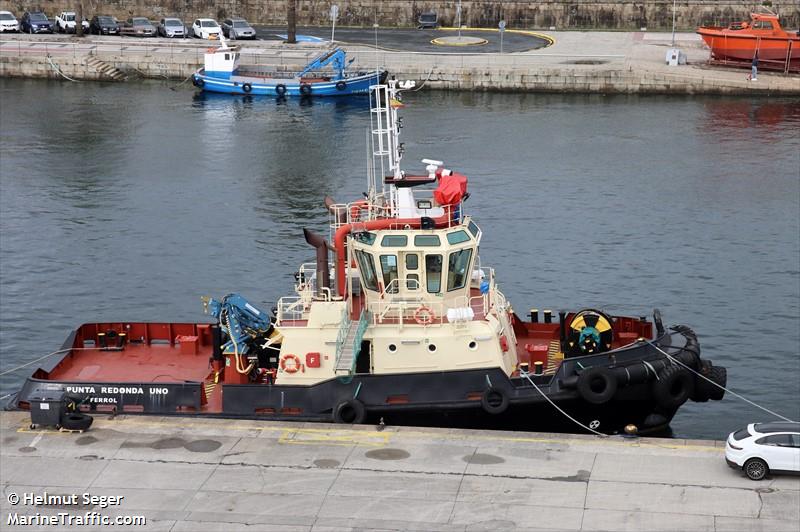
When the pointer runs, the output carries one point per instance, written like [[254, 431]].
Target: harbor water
[[130, 201]]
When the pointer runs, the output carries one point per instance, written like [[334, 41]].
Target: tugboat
[[405, 324], [740, 42], [221, 73]]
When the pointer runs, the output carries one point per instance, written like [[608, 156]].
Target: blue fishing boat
[[326, 75]]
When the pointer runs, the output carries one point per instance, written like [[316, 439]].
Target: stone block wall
[[521, 14]]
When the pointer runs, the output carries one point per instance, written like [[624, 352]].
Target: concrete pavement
[[585, 62], [207, 474]]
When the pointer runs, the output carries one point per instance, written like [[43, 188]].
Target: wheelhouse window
[[473, 228], [433, 273], [458, 268], [367, 268], [394, 241], [365, 237], [457, 237], [427, 240], [389, 269]]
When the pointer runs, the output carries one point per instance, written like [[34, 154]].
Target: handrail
[[363, 323], [344, 328]]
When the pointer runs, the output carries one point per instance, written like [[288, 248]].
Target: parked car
[[137, 27], [8, 22], [206, 28], [65, 22], [761, 448], [36, 22], [171, 27], [428, 20], [237, 28], [103, 25]]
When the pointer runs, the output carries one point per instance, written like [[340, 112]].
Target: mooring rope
[[672, 358], [182, 82], [527, 376], [424, 81], [58, 70], [12, 370]]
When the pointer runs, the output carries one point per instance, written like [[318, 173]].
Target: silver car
[[172, 27], [238, 28]]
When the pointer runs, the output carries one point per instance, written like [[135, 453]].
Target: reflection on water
[[130, 201]]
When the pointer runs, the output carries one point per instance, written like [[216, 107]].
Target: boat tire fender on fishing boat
[[280, 89], [597, 385], [351, 411], [341, 85], [199, 82], [305, 89], [674, 387], [247, 87], [494, 401]]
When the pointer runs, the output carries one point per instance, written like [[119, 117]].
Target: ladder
[[347, 354]]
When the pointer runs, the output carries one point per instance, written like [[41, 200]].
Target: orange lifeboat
[[740, 41]]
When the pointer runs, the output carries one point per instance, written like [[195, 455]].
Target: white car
[[8, 22], [206, 28], [761, 448]]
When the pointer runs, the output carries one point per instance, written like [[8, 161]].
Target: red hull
[[742, 41]]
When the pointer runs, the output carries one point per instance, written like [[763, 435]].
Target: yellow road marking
[[551, 41], [341, 438], [323, 436]]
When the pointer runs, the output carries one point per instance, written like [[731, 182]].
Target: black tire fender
[[76, 421], [674, 386], [305, 89], [199, 82], [280, 89], [248, 88], [351, 412], [720, 376], [341, 85], [597, 385], [494, 401]]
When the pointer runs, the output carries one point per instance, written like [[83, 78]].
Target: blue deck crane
[[336, 58]]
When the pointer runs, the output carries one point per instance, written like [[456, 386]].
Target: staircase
[[347, 353], [105, 69], [349, 343]]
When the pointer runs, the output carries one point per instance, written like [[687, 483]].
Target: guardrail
[[364, 59]]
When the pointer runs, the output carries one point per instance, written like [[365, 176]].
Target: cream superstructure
[[411, 295]]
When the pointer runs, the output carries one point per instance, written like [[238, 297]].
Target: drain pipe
[[323, 271]]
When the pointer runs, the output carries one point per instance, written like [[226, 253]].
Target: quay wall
[[475, 74], [520, 14]]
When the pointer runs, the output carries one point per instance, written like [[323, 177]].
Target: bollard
[[538, 368], [534, 315], [548, 316]]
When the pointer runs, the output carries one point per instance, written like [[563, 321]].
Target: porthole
[[432, 348], [473, 345], [392, 348]]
